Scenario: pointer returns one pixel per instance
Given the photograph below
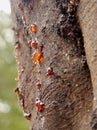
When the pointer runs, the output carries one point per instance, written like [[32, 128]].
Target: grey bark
[[68, 94]]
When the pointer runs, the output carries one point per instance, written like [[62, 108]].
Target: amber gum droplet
[[33, 28], [34, 44], [38, 57], [16, 90]]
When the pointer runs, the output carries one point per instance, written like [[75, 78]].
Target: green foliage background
[[12, 120]]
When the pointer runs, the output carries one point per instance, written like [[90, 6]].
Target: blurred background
[[11, 117]]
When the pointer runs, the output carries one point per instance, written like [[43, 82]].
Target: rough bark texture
[[68, 94]]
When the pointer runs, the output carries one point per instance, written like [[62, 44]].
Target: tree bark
[[88, 18], [67, 95]]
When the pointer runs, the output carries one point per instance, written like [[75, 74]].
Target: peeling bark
[[67, 95]]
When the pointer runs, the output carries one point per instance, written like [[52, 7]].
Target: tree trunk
[[88, 18], [67, 91]]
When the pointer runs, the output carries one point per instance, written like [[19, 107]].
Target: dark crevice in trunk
[[68, 25]]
